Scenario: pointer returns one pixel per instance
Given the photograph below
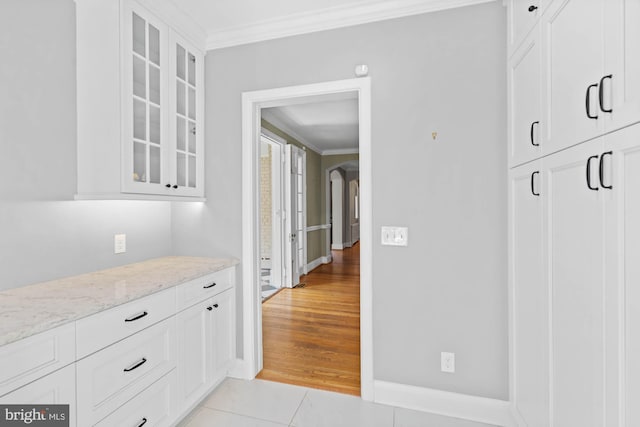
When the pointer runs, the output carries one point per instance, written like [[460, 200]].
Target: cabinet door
[[622, 63], [623, 276], [195, 346], [187, 157], [575, 251], [144, 104], [529, 296], [522, 16], [572, 67], [524, 102], [56, 388], [224, 344]]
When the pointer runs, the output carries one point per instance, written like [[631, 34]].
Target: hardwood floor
[[311, 334]]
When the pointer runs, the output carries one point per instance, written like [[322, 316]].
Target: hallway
[[311, 334]]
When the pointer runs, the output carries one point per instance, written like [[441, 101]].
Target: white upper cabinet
[[140, 103], [573, 46], [523, 15], [525, 124], [620, 83]]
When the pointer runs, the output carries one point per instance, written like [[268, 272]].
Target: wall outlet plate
[[395, 236], [448, 362], [119, 243]]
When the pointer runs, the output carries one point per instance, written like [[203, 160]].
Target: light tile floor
[[257, 403]]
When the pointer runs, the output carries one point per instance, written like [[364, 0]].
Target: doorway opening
[[253, 103]]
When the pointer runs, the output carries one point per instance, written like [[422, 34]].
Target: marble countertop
[[28, 310]]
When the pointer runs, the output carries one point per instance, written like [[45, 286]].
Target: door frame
[[252, 102]]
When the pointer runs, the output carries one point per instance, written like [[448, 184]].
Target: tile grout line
[[244, 415], [298, 408]]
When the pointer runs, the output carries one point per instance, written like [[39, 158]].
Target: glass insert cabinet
[[162, 109]]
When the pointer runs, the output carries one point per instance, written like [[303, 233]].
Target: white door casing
[[252, 102]]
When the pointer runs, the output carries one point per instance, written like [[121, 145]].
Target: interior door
[[295, 216]]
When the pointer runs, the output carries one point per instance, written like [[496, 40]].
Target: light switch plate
[[395, 236], [119, 243], [448, 362]]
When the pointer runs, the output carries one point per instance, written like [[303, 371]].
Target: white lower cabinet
[[155, 406], [206, 346], [580, 305], [57, 388]]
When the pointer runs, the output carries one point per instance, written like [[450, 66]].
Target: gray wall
[[441, 72], [44, 233]]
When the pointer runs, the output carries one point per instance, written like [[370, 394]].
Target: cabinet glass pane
[[192, 69], [154, 45], [139, 120], [180, 65], [181, 169], [139, 162], [139, 78], [154, 164], [192, 103], [154, 84], [180, 133], [180, 101], [154, 124], [139, 41], [192, 171], [192, 137]]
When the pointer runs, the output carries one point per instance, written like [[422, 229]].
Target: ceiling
[[327, 126], [234, 22]]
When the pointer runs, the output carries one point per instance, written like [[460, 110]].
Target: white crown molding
[[183, 23], [339, 151], [327, 19], [275, 121]]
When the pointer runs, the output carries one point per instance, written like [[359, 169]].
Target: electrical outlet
[[119, 243], [448, 362]]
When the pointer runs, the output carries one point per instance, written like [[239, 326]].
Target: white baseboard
[[240, 370], [318, 262], [480, 409], [337, 246]]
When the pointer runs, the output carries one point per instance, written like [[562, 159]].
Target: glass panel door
[[186, 117]]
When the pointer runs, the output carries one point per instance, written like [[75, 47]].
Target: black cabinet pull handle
[[142, 422], [175, 186], [136, 317], [531, 134], [137, 365], [210, 308], [601, 94], [533, 190], [589, 173], [588, 102], [209, 286], [215, 305], [601, 170], [168, 185], [532, 8]]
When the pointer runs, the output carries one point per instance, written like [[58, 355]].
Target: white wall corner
[[337, 246], [240, 369], [474, 408]]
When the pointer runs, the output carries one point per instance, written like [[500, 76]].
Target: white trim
[[340, 151], [272, 136], [327, 19], [318, 227], [252, 321], [474, 408], [318, 262], [337, 246]]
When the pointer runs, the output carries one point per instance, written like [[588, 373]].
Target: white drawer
[[197, 290], [154, 406], [111, 377], [57, 388], [34, 357], [105, 328]]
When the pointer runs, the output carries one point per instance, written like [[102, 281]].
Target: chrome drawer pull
[[137, 365], [143, 422], [209, 286], [136, 317]]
